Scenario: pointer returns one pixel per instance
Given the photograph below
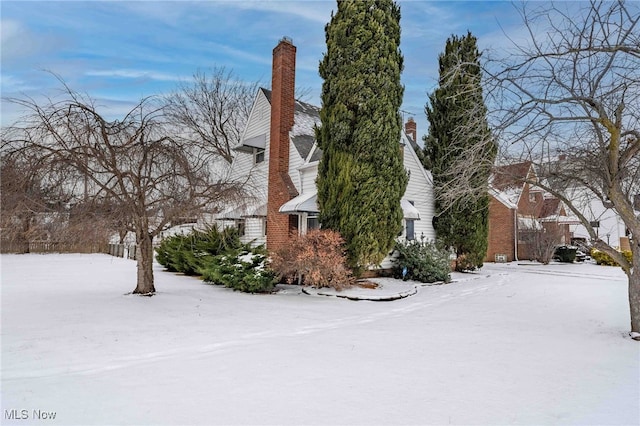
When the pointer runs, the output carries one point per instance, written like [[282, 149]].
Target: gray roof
[[303, 135], [303, 144]]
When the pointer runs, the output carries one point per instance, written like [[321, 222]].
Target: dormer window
[[532, 197], [258, 155]]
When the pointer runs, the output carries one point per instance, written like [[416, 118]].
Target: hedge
[[603, 258]]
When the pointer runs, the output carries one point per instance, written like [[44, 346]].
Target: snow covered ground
[[511, 345]]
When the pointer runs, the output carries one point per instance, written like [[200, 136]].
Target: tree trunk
[[144, 257], [634, 293]]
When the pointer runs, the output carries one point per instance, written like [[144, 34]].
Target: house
[[520, 212], [278, 159], [608, 225]]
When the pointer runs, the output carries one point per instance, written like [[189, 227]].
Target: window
[[258, 155], [532, 197], [312, 223], [240, 224], [410, 229]]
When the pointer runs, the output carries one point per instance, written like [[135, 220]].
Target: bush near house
[[219, 257], [170, 253], [423, 261], [317, 259], [243, 270], [188, 253], [603, 258]]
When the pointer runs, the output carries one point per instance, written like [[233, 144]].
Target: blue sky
[[120, 51]]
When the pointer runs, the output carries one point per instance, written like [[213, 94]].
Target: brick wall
[[280, 187], [501, 231], [411, 129], [531, 201]]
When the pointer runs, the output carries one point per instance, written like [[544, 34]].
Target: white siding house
[[304, 157], [251, 163]]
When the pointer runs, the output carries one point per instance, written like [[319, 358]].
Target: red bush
[[317, 259]]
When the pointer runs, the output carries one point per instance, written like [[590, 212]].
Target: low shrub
[[466, 263], [317, 259], [220, 258], [166, 251], [603, 258], [188, 253], [242, 270], [421, 261]]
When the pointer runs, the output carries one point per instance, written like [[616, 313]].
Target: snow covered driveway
[[512, 345]]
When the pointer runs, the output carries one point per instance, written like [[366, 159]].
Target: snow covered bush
[[170, 252], [421, 261], [317, 259], [188, 253], [245, 270], [219, 257]]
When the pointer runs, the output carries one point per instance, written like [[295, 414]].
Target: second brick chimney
[[280, 227], [410, 129]]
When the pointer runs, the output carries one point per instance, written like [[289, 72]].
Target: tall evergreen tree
[[361, 177], [460, 151]]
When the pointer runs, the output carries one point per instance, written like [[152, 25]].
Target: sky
[[118, 52]]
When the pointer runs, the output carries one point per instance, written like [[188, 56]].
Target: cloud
[[10, 30], [19, 42], [315, 11], [134, 74], [240, 53], [10, 84]]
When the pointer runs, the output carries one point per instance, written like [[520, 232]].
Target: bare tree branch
[[573, 92], [140, 170], [212, 110]]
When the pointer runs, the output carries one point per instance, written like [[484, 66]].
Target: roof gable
[[306, 117], [266, 93], [502, 197], [512, 175], [550, 207], [303, 144]]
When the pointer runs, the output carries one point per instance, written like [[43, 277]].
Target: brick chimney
[[410, 129], [280, 227]]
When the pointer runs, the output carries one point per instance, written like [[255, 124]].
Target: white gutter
[[515, 235]]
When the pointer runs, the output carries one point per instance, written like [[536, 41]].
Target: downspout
[[515, 235]]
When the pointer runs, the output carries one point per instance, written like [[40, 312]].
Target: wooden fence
[[128, 251], [123, 250], [50, 247]]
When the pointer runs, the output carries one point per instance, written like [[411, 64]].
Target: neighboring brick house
[[278, 158], [517, 210], [503, 217]]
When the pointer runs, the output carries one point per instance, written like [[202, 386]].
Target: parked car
[[565, 253], [581, 256], [584, 249]]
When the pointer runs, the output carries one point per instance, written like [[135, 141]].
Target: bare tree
[[569, 100], [540, 242], [32, 200], [212, 109], [137, 165]]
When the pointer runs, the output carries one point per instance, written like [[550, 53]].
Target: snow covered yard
[[511, 345]]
